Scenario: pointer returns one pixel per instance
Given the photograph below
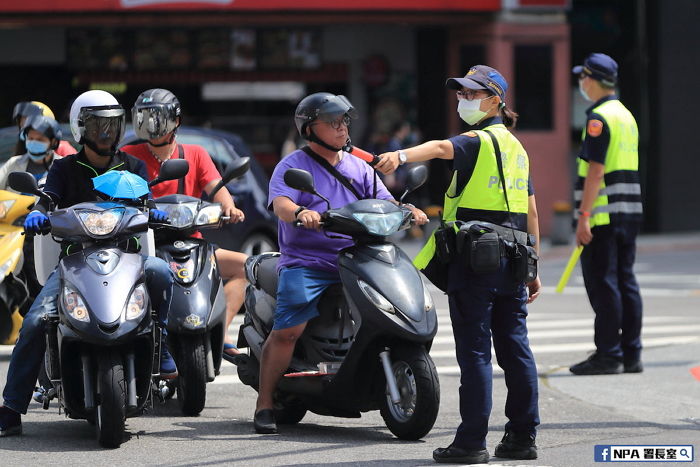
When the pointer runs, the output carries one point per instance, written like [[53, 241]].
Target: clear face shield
[[154, 122]]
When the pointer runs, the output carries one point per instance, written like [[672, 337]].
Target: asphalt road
[[659, 406]]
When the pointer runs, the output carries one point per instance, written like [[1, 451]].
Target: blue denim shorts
[[298, 292]]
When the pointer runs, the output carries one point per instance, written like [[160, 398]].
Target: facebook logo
[[644, 453], [601, 453]]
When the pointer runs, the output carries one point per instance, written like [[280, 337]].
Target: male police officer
[[609, 211]]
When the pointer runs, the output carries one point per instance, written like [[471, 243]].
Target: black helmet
[[321, 106], [47, 126], [155, 114]]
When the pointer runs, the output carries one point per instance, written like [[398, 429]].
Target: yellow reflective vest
[[481, 197], [620, 195]]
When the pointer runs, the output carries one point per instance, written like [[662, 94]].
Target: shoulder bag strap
[[181, 180], [332, 170], [499, 162]]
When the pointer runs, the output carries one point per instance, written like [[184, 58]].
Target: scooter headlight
[[101, 222], [74, 304], [7, 265], [5, 207], [427, 298], [380, 224], [208, 215], [376, 298], [180, 215], [137, 304]]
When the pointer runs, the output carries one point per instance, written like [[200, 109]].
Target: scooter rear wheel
[[419, 387], [289, 413], [111, 410]]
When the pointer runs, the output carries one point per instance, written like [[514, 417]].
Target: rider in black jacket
[[97, 122]]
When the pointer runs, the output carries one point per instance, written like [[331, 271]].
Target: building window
[[533, 86]]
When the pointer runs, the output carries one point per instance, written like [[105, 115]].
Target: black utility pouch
[[480, 248], [519, 262], [445, 244]]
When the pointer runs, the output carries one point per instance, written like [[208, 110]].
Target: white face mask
[[469, 111], [582, 91]]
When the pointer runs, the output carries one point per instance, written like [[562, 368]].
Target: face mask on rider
[[470, 111], [36, 149]]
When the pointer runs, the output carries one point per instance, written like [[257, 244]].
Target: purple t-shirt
[[310, 248]]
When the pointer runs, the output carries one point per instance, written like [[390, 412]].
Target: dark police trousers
[[482, 306], [607, 263]]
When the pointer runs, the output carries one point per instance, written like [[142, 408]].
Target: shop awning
[[28, 6]]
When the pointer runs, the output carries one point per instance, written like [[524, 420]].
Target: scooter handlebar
[[301, 224]]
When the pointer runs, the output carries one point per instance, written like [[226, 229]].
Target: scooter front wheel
[[419, 388], [192, 375], [111, 411]]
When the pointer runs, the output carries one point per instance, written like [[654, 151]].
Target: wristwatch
[[299, 210], [402, 157]]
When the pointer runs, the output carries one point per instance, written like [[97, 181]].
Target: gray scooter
[[103, 346], [368, 349], [197, 314]]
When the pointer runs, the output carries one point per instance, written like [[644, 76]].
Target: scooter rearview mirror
[[415, 178], [300, 180], [24, 182], [235, 169], [303, 181], [172, 169]]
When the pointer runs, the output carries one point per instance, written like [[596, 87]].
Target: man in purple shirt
[[307, 264]]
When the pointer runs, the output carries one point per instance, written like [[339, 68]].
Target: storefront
[[241, 65]]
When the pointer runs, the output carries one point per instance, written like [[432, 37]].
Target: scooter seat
[[266, 276]]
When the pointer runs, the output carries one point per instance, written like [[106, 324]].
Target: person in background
[[41, 136], [608, 218], [24, 110]]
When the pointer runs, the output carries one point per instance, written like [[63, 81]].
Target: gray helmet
[[321, 106], [155, 113]]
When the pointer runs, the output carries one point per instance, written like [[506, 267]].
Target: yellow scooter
[[13, 288]]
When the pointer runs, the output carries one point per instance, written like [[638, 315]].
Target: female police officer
[[483, 304]]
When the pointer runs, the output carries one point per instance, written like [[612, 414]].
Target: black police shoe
[[264, 422], [10, 422], [517, 446], [454, 455], [598, 364], [633, 366]]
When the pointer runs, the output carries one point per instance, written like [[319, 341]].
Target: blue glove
[[157, 215], [35, 222]]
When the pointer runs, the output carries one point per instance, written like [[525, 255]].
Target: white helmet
[[96, 115]]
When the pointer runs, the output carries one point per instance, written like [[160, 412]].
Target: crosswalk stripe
[[584, 346], [646, 291], [587, 332], [533, 324]]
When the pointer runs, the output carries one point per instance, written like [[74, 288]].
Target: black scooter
[[197, 314], [103, 347], [368, 349]]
